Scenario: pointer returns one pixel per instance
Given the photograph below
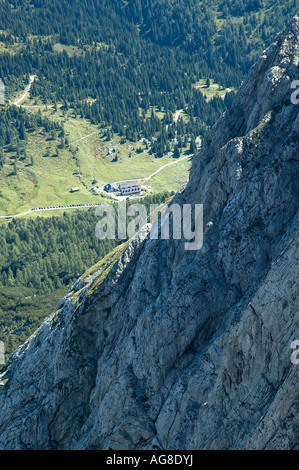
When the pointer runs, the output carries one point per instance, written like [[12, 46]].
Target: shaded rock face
[[163, 348]]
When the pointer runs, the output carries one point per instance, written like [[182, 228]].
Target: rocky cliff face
[[159, 347]]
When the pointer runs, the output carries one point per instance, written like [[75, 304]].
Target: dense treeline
[[134, 55], [119, 88], [207, 29]]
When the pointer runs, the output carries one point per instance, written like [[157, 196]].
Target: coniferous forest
[[129, 56]]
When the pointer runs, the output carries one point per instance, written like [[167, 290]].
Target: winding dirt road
[[26, 91]]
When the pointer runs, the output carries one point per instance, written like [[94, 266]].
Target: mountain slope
[[174, 349]]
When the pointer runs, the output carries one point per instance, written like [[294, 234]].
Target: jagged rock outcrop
[[159, 347]]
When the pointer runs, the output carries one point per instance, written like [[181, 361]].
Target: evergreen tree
[[176, 152]]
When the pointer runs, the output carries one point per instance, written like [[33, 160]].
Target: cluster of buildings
[[125, 189]]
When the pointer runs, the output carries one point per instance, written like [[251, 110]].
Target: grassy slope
[[49, 180], [213, 90]]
